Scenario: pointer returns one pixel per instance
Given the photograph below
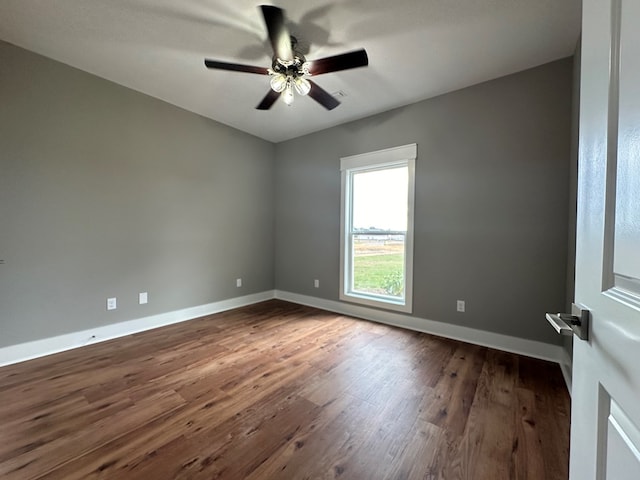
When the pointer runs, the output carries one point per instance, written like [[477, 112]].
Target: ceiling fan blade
[[323, 97], [268, 101], [278, 32], [236, 67], [336, 63]]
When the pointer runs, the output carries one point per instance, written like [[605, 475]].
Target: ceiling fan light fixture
[[278, 82], [302, 85], [287, 94]]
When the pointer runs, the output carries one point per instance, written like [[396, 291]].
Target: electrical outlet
[[316, 283], [143, 297], [112, 303], [238, 282], [460, 305]]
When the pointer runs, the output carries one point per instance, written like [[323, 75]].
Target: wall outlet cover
[[112, 303], [460, 305], [143, 297]]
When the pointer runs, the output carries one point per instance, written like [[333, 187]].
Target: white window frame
[[391, 157]]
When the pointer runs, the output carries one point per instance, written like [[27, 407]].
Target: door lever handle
[[569, 323], [559, 325]]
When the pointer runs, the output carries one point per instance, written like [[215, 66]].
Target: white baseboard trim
[[566, 366], [47, 346], [529, 348]]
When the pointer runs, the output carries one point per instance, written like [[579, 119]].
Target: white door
[[605, 420]]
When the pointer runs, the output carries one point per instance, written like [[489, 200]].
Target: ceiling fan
[[289, 69]]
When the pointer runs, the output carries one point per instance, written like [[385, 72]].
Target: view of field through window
[[378, 266], [379, 231]]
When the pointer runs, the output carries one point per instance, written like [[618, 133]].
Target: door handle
[[569, 323]]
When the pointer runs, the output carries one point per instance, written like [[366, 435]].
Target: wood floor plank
[[454, 390], [308, 441], [49, 455], [527, 451], [282, 391], [418, 459]]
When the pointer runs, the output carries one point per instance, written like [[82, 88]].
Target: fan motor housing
[[293, 68]]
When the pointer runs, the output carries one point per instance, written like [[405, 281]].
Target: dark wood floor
[[279, 391]]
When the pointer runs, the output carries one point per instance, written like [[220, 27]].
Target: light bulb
[[287, 95], [278, 82], [302, 85]]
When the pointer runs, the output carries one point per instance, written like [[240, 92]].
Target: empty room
[[303, 240]]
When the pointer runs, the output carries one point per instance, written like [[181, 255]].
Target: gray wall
[[491, 201], [107, 192]]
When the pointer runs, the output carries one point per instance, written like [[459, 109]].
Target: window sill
[[361, 299]]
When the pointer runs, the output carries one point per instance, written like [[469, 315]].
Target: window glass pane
[[378, 265], [380, 199]]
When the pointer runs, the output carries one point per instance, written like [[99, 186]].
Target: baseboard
[[47, 346], [566, 366], [530, 348]]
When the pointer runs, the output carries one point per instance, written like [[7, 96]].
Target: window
[[376, 252]]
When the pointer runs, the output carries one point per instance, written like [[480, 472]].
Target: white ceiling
[[417, 49]]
